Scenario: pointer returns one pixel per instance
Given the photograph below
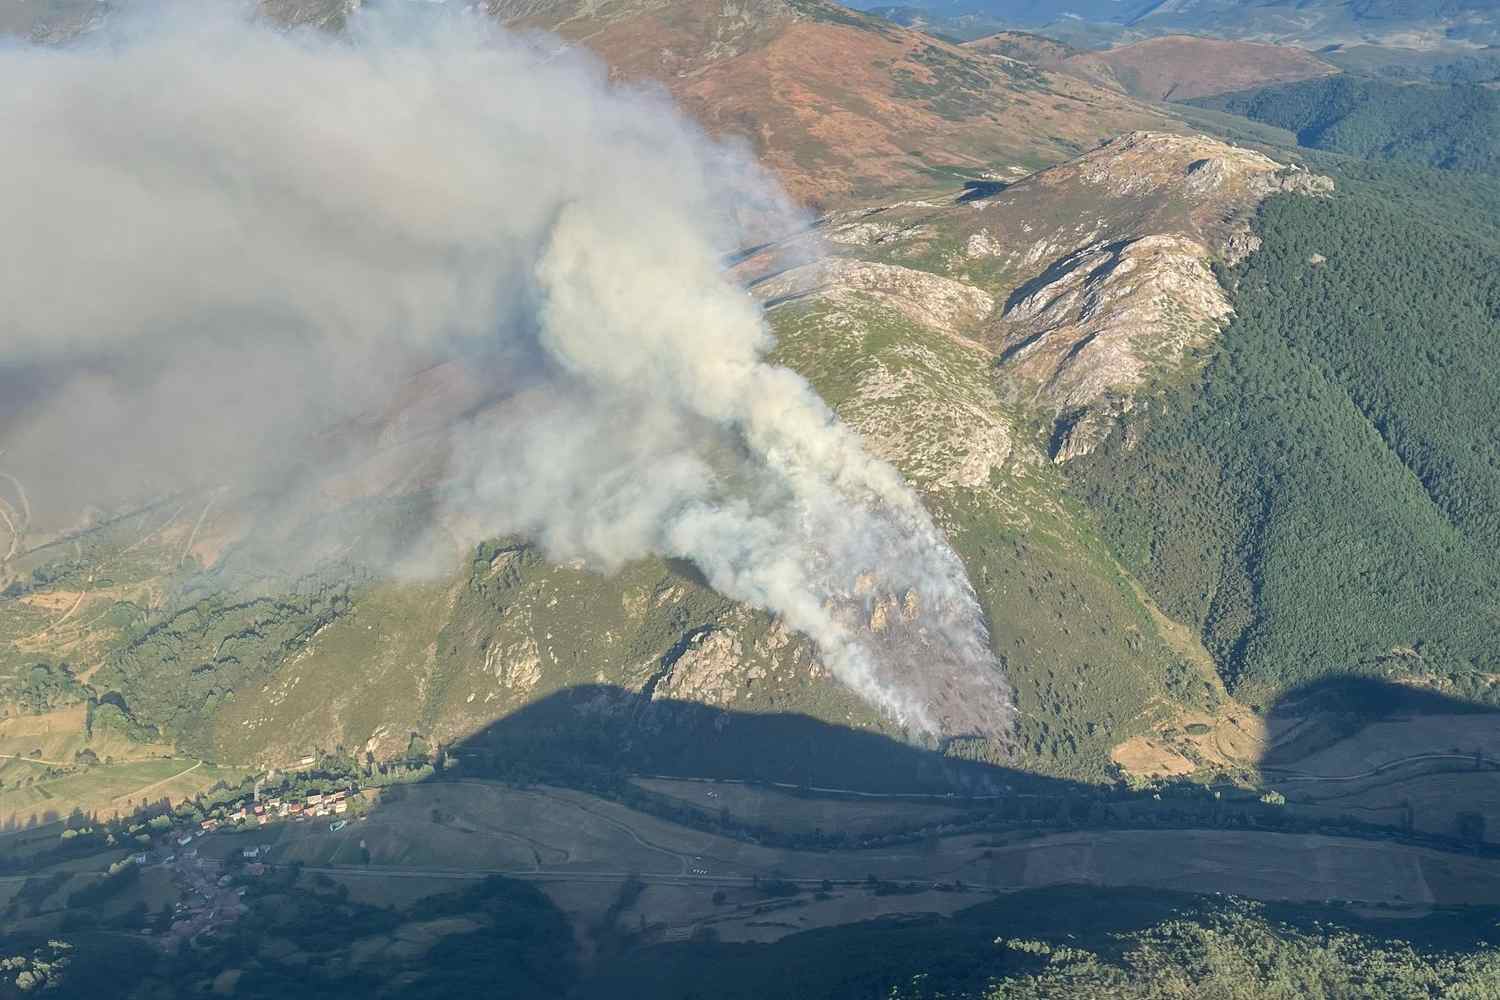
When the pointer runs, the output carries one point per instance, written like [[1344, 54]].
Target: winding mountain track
[[1293, 775], [157, 784]]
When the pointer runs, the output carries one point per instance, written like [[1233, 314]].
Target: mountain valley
[[1198, 394]]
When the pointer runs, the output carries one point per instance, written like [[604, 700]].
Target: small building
[[315, 798], [341, 807]]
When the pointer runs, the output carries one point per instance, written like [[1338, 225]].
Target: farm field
[[57, 736], [103, 790], [1436, 774], [1382, 743], [787, 812], [1418, 796], [581, 849]]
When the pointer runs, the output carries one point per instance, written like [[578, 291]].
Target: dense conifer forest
[[1449, 126], [1325, 498]]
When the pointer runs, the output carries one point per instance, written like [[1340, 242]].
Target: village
[[314, 805], [212, 884]]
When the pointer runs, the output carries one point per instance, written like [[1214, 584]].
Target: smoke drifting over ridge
[[223, 238]]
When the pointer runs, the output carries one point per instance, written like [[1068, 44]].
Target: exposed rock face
[[1084, 281], [1091, 327], [1088, 332], [517, 667], [906, 414], [708, 671]]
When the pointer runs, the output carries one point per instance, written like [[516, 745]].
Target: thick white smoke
[[219, 237]]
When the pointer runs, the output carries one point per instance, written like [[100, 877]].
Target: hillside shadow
[[1053, 273], [589, 731], [1321, 713], [979, 190]]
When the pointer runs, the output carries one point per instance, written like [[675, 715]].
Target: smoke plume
[[222, 240]]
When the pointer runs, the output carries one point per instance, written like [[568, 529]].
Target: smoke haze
[[223, 240]]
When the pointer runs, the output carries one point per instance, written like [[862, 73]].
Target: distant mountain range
[[1314, 23]]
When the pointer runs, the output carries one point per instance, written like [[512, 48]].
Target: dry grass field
[[103, 791]]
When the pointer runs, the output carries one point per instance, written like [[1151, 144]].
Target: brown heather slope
[[840, 104], [1182, 67], [1028, 48]]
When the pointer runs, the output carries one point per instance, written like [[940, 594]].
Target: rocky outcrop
[[1092, 327], [1138, 297], [516, 667], [1084, 281]]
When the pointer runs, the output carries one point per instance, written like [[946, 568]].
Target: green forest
[[1326, 498], [1448, 126]]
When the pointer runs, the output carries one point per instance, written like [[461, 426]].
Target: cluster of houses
[[261, 813]]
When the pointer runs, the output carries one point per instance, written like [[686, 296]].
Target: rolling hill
[[1170, 68], [842, 104], [1182, 67]]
